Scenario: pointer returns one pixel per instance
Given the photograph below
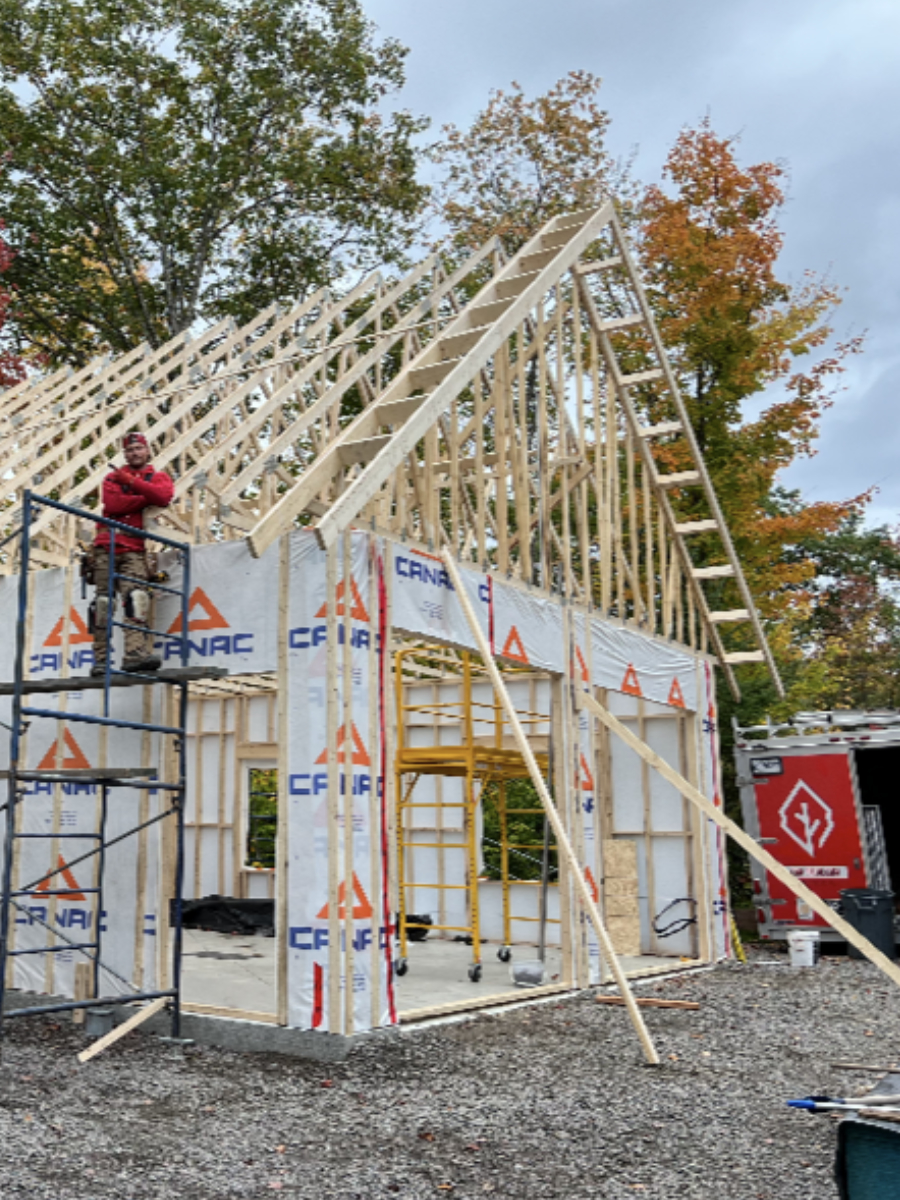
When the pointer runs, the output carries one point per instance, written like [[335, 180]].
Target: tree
[[12, 369], [525, 161], [734, 331], [854, 621], [172, 161]]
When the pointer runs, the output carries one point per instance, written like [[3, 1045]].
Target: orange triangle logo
[[212, 620], [630, 684], [360, 755], [675, 696], [75, 759], [362, 907], [583, 665], [68, 877], [586, 780], [513, 648], [592, 884], [357, 608], [78, 631]]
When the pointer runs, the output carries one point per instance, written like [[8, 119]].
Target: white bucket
[[803, 945]]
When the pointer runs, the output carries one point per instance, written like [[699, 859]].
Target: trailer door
[[809, 820]]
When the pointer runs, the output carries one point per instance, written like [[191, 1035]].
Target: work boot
[[139, 665], [98, 670]]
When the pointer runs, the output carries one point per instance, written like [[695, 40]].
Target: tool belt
[[88, 566]]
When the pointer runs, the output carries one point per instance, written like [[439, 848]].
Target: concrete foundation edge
[[226, 1033]]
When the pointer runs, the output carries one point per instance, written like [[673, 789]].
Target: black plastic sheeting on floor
[[225, 914]]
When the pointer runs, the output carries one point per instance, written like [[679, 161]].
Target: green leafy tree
[[171, 161], [524, 161]]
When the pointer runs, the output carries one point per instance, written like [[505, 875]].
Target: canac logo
[[359, 755], [50, 658], [308, 637], [59, 895], [316, 782], [362, 906], [513, 648], [417, 565], [203, 617], [806, 818], [64, 875], [315, 937], [69, 757]]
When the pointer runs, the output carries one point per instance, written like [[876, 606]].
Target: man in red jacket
[[126, 493]]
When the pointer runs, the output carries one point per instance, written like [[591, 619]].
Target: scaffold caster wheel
[[475, 972], [504, 954], [401, 966]]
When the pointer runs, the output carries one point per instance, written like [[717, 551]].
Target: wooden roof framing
[[522, 413]]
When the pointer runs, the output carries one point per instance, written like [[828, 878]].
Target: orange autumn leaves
[[736, 333]]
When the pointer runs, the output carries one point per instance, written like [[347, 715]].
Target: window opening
[[262, 817]]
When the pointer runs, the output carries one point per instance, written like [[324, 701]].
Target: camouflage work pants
[[137, 643]]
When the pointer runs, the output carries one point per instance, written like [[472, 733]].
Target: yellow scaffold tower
[[481, 761]]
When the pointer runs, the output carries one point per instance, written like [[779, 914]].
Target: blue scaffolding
[[25, 713]]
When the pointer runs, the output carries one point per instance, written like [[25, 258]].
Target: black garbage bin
[[871, 913]]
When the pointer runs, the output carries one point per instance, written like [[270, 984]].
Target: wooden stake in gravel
[[650, 1002], [865, 1067], [562, 838], [138, 1018]]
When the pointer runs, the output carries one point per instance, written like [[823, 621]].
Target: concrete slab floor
[[229, 970], [238, 971]]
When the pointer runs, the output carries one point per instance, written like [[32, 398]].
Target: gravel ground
[[546, 1101]]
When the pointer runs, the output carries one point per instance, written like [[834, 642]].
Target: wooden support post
[[282, 823], [562, 838], [762, 856], [335, 957], [345, 761], [142, 1015], [81, 989]]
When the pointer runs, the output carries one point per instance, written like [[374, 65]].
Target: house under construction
[[452, 547]]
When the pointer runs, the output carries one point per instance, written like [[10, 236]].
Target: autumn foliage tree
[[738, 335]]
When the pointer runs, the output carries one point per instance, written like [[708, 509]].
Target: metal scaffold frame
[[108, 780], [479, 763]]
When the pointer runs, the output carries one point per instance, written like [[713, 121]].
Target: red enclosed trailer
[[822, 794]]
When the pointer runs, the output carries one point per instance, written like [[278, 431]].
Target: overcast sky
[[814, 84]]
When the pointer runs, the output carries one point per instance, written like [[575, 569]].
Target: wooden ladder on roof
[[660, 376]]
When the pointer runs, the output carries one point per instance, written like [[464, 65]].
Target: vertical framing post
[[180, 796], [334, 785], [345, 753], [282, 831]]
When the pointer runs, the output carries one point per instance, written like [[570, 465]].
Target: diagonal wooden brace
[[562, 839], [743, 839]]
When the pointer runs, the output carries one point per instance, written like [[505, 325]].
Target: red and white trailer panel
[[803, 799]]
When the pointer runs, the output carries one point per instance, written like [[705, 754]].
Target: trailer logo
[[806, 818]]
